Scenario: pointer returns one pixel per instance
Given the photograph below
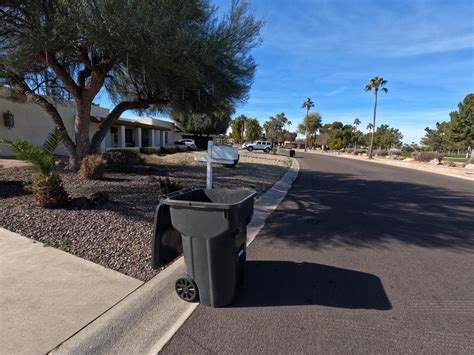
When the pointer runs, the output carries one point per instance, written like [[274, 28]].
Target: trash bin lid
[[210, 198]]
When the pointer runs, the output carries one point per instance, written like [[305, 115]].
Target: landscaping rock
[[434, 161], [117, 235], [448, 163], [82, 203], [469, 166], [100, 198]]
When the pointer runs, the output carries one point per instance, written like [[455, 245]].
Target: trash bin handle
[[178, 193]]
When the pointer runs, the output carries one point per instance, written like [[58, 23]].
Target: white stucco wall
[[34, 124], [159, 135]]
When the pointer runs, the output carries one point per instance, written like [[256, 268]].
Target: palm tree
[[289, 123], [308, 104], [47, 186], [356, 124], [370, 126], [377, 84]]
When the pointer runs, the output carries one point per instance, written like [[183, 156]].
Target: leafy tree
[[437, 139], [462, 123], [387, 137], [375, 84], [310, 126], [238, 129], [274, 128], [216, 122], [253, 130], [308, 104], [148, 56], [455, 134], [237, 126], [340, 138], [47, 185], [289, 136]]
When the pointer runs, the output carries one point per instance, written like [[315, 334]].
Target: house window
[[166, 138], [114, 133]]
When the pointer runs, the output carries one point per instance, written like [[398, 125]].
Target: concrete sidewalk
[[47, 295]]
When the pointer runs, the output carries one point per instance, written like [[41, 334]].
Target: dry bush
[[92, 167]]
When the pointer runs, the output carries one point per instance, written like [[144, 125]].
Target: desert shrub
[[122, 159], [169, 149], [182, 148], [380, 152], [47, 186], [395, 151], [167, 186], [92, 167], [359, 151], [426, 156], [150, 150], [349, 150]]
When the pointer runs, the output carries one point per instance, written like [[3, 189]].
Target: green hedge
[[426, 156], [122, 159], [161, 150], [150, 150]]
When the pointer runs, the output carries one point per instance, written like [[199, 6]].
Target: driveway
[[358, 257]]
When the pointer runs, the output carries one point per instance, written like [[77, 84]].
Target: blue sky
[[328, 50]]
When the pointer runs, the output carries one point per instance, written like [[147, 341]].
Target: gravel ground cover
[[118, 235]]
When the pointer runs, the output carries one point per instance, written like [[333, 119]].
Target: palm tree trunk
[[306, 132], [373, 128]]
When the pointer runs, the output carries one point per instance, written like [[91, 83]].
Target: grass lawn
[[456, 158]]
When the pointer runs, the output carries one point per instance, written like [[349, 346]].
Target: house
[[32, 123]]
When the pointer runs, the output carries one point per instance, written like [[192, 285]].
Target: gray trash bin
[[212, 226]]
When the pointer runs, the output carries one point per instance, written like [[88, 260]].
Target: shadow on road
[[284, 283], [326, 209]]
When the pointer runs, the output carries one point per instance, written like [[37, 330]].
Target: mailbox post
[[217, 154]]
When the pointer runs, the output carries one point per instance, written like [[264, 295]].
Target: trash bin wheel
[[186, 289]]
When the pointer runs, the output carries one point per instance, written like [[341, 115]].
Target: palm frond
[[42, 162], [53, 140], [384, 90]]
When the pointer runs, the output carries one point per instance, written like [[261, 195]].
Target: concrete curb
[[148, 318]]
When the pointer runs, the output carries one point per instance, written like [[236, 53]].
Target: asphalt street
[[360, 258]]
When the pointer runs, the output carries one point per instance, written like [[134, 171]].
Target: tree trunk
[[471, 159], [306, 132], [81, 131], [373, 128]]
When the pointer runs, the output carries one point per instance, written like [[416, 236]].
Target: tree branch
[[30, 95], [115, 114], [63, 75]]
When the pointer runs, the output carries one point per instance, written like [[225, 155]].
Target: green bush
[[182, 148], [169, 149], [122, 159], [150, 150], [426, 156], [92, 167]]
